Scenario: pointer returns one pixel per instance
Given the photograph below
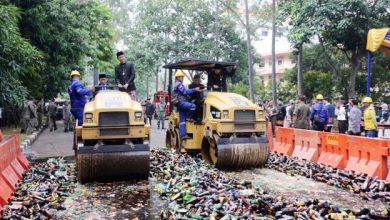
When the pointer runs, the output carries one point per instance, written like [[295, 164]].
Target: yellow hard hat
[[179, 73], [320, 97], [74, 73], [367, 100]]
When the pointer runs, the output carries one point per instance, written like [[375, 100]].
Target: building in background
[[263, 47]]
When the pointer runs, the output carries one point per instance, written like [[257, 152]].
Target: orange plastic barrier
[[368, 155], [12, 165], [270, 137], [334, 150], [307, 145], [284, 143]]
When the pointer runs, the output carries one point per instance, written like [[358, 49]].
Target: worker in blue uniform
[[180, 100], [78, 96]]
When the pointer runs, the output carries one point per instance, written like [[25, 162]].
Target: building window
[[261, 64], [280, 62], [264, 33]]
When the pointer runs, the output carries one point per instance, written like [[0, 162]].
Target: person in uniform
[[78, 96], [67, 117], [197, 98], [52, 112], [369, 116], [217, 78], [40, 112], [125, 75], [180, 99], [149, 110], [29, 114], [161, 113]]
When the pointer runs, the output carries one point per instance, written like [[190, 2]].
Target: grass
[[10, 130]]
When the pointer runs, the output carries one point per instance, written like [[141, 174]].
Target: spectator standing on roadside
[[161, 113], [301, 114], [369, 116], [40, 112], [29, 113], [67, 117], [149, 110], [289, 114], [331, 114], [52, 112], [319, 114], [384, 113], [341, 115], [354, 118]]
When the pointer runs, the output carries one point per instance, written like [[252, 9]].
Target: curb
[[26, 144]]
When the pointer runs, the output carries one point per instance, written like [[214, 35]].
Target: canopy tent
[[376, 39]]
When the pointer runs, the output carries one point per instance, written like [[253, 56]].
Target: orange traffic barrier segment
[[284, 143], [368, 155], [334, 150], [12, 166], [270, 136], [307, 145]]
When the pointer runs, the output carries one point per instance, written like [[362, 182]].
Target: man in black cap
[[217, 78], [103, 84], [125, 75]]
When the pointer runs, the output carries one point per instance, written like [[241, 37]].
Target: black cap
[[119, 53], [102, 75], [197, 76]]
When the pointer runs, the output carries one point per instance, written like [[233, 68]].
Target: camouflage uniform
[[161, 114], [29, 115], [52, 113], [67, 116], [40, 113]]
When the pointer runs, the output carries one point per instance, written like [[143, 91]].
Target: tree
[[71, 35], [19, 60], [160, 30], [341, 24]]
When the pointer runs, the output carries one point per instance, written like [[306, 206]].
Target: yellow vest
[[369, 119]]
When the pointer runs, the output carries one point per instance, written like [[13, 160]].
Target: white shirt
[[341, 113]]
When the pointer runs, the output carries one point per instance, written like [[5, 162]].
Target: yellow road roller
[[232, 131], [113, 142]]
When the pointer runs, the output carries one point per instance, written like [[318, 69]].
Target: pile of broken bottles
[[368, 188], [195, 190], [42, 190]]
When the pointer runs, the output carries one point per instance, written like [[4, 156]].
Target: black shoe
[[185, 137], [66, 130], [55, 129], [51, 130]]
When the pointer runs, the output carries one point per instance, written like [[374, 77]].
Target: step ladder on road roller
[[113, 142], [232, 134]]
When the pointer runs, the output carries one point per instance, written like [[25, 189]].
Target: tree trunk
[[352, 77]]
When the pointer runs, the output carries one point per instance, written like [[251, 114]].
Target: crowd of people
[[351, 117]]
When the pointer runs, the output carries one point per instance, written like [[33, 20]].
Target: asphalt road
[[59, 144]]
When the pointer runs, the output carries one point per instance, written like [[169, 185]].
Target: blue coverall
[[78, 98], [321, 110], [186, 108]]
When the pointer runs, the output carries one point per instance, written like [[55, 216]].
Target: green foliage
[[68, 33], [339, 24], [163, 29], [19, 61]]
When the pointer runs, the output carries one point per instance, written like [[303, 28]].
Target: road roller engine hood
[[223, 107], [115, 105]]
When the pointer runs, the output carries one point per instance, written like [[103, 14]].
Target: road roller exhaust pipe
[[112, 162], [236, 152]]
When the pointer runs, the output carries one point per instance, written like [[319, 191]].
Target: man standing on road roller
[[125, 75], [180, 100], [78, 96], [319, 114], [369, 116], [197, 99], [216, 78]]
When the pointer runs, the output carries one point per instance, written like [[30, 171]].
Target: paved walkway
[[59, 144]]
